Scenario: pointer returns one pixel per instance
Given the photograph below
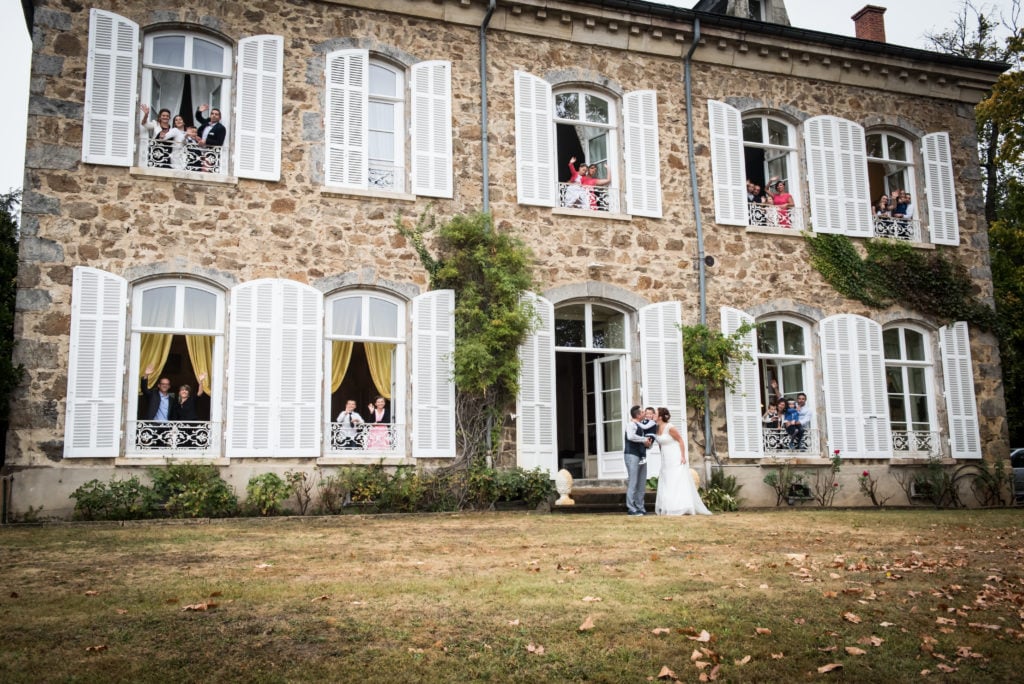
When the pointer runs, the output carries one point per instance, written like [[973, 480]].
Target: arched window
[[177, 335], [387, 127], [909, 385], [785, 372], [183, 71], [769, 156], [891, 171], [366, 336], [585, 126]]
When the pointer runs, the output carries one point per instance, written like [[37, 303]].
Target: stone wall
[[138, 225]]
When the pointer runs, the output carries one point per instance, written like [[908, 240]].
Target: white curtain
[[206, 90], [167, 92]]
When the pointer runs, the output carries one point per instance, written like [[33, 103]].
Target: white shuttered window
[[742, 401], [837, 177], [274, 371], [535, 404], [961, 402], [433, 389], [938, 178], [661, 366], [535, 141], [643, 167], [92, 426], [727, 165], [346, 159], [108, 133], [432, 129], [258, 108]]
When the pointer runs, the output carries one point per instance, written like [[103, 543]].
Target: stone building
[[268, 270]]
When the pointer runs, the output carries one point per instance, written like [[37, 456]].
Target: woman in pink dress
[[380, 418], [784, 201]]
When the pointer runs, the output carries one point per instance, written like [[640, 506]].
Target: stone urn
[[563, 485]]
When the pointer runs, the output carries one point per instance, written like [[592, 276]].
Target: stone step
[[601, 499]]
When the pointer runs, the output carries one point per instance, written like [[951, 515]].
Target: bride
[[677, 495]]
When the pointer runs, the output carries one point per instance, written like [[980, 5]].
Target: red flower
[[864, 474], [836, 452]]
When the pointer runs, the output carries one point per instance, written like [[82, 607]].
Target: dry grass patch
[[763, 596]]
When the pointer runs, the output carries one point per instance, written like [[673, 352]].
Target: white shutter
[[938, 179], [643, 165], [535, 404], [874, 399], [108, 132], [961, 404], [92, 425], [299, 370], [274, 369], [837, 176], [258, 108], [346, 157], [433, 389], [535, 145], [727, 165], [250, 375], [661, 367], [432, 129], [742, 402], [857, 411]]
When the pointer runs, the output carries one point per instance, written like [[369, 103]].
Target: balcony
[[779, 444], [770, 216], [915, 444], [386, 177], [174, 438], [897, 228], [161, 154], [371, 439], [589, 197]]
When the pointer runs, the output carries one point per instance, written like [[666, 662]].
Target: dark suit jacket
[[215, 138], [180, 411], [635, 448], [386, 419], [153, 400]]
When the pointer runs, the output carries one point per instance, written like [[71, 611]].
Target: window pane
[[874, 145], [158, 307], [207, 56], [793, 379], [897, 412], [752, 130], [891, 343], [793, 337], [567, 106], [894, 379], [597, 109], [599, 152], [777, 168], [609, 328], [768, 338], [569, 327], [915, 345], [382, 116], [382, 147], [346, 316], [919, 413], [778, 133], [383, 318], [383, 81], [897, 149], [915, 377], [200, 309], [169, 50]]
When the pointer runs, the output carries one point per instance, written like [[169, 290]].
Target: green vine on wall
[[930, 282], [488, 272]]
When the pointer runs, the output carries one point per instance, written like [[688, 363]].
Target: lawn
[[876, 595]]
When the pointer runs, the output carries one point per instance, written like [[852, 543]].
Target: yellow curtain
[[200, 353], [378, 355], [155, 348], [341, 354]]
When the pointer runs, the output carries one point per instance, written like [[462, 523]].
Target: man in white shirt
[[349, 420]]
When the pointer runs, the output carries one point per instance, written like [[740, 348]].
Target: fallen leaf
[[778, 656], [762, 586], [871, 641], [92, 593], [946, 668], [833, 575], [101, 647], [535, 649], [830, 667], [703, 636], [762, 630], [121, 611], [591, 599], [945, 621], [827, 649], [852, 617], [980, 625], [742, 661], [654, 557], [415, 650], [829, 594], [701, 664], [171, 600], [696, 655], [799, 621], [264, 566], [661, 630], [514, 623], [215, 594], [199, 606], [320, 598], [854, 651], [886, 624], [587, 624], [666, 673]]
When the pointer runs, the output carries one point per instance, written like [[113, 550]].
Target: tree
[[10, 375]]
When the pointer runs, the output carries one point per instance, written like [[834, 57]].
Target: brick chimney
[[870, 23]]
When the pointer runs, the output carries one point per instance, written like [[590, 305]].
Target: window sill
[[916, 245], [334, 191], [361, 460], [789, 232], [912, 462], [588, 213], [185, 176], [148, 460], [805, 461]]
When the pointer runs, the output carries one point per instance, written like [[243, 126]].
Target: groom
[[636, 462]]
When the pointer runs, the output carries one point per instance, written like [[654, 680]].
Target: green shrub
[[301, 484], [191, 490], [334, 493], [115, 500], [403, 492], [265, 493], [718, 500]]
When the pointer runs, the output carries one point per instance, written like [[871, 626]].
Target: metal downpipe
[[484, 158]]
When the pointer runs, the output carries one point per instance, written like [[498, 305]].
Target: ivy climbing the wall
[[929, 282]]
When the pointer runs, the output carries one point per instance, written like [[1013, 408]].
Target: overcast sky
[[906, 23]]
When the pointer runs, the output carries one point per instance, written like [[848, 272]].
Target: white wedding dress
[[677, 495]]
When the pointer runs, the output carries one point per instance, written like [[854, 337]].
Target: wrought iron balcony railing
[[897, 228], [589, 197], [386, 177], [780, 443], [915, 443], [771, 216], [162, 154], [366, 437], [173, 437]]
